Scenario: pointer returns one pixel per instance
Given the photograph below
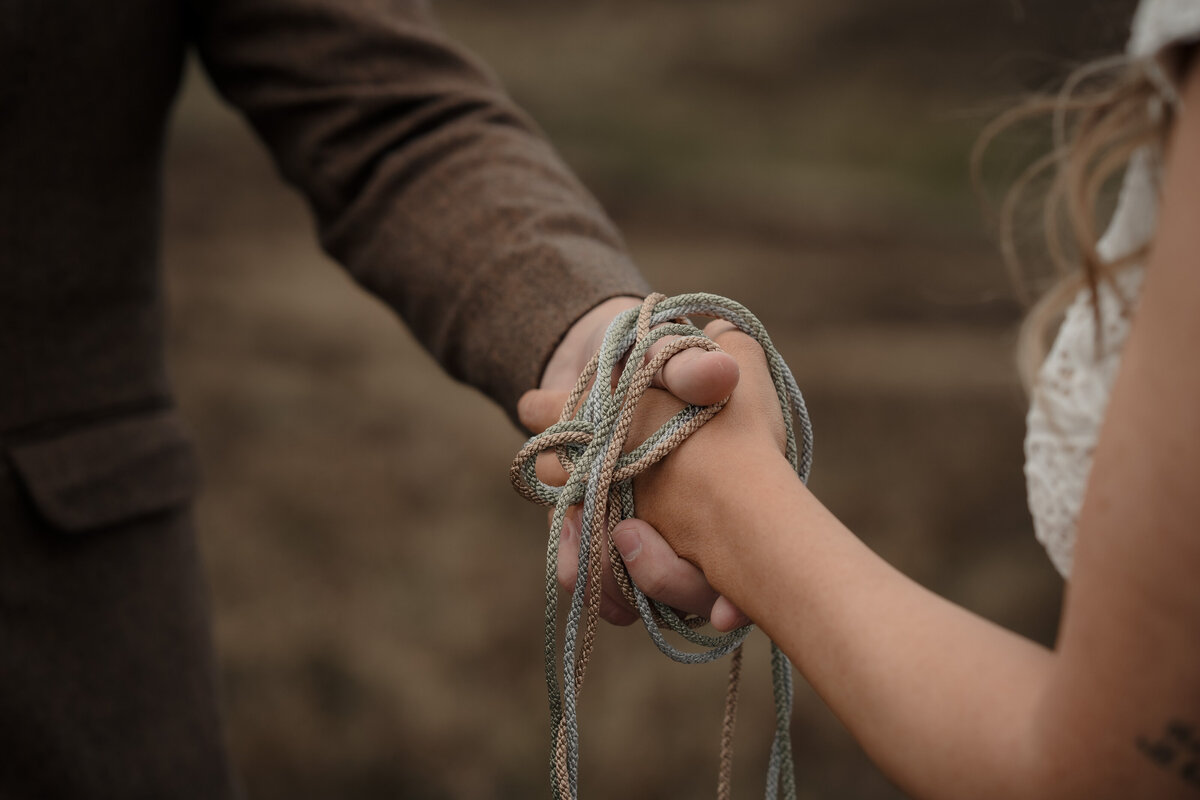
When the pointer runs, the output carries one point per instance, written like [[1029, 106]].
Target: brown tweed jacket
[[425, 182]]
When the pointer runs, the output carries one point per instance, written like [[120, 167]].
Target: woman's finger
[[726, 616]]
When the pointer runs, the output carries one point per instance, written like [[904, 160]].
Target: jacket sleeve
[[435, 192]]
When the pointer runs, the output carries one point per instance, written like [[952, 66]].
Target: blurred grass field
[[377, 586]]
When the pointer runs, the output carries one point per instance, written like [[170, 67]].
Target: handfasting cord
[[589, 441]]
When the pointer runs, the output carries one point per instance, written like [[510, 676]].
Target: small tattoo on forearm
[[1176, 749]]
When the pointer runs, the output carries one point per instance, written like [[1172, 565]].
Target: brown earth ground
[[378, 586]]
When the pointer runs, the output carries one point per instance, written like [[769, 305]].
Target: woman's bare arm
[[948, 704], [1129, 648]]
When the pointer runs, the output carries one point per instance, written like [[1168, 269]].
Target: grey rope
[[589, 441]]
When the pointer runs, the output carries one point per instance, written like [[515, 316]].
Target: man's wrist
[[581, 341]]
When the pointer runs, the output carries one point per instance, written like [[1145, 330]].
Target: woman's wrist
[[740, 492]]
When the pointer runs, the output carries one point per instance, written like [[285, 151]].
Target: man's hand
[[693, 376]]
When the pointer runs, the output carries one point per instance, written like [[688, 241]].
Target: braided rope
[[589, 440]]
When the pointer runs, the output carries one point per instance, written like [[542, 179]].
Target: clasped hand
[[693, 376]]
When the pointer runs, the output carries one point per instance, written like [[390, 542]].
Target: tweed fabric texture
[[425, 182]]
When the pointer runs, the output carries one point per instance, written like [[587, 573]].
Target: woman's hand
[[693, 376], [679, 496]]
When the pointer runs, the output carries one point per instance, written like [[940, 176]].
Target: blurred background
[[379, 622]]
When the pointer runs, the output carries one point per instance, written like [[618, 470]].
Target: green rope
[[589, 441]]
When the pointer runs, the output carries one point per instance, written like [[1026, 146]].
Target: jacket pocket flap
[[108, 472]]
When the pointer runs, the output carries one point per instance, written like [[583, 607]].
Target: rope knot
[[600, 426]]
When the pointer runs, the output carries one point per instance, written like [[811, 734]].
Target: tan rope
[[725, 774]]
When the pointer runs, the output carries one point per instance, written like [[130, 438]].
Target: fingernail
[[629, 543]]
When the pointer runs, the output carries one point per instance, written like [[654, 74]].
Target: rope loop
[[589, 441]]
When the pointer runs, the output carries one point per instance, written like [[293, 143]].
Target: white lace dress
[[1073, 385]]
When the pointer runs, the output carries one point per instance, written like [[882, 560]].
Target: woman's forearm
[[948, 704], [943, 701]]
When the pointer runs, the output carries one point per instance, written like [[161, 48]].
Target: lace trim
[[1074, 383], [1067, 411]]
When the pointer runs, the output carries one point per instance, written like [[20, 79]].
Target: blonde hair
[[1104, 113]]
